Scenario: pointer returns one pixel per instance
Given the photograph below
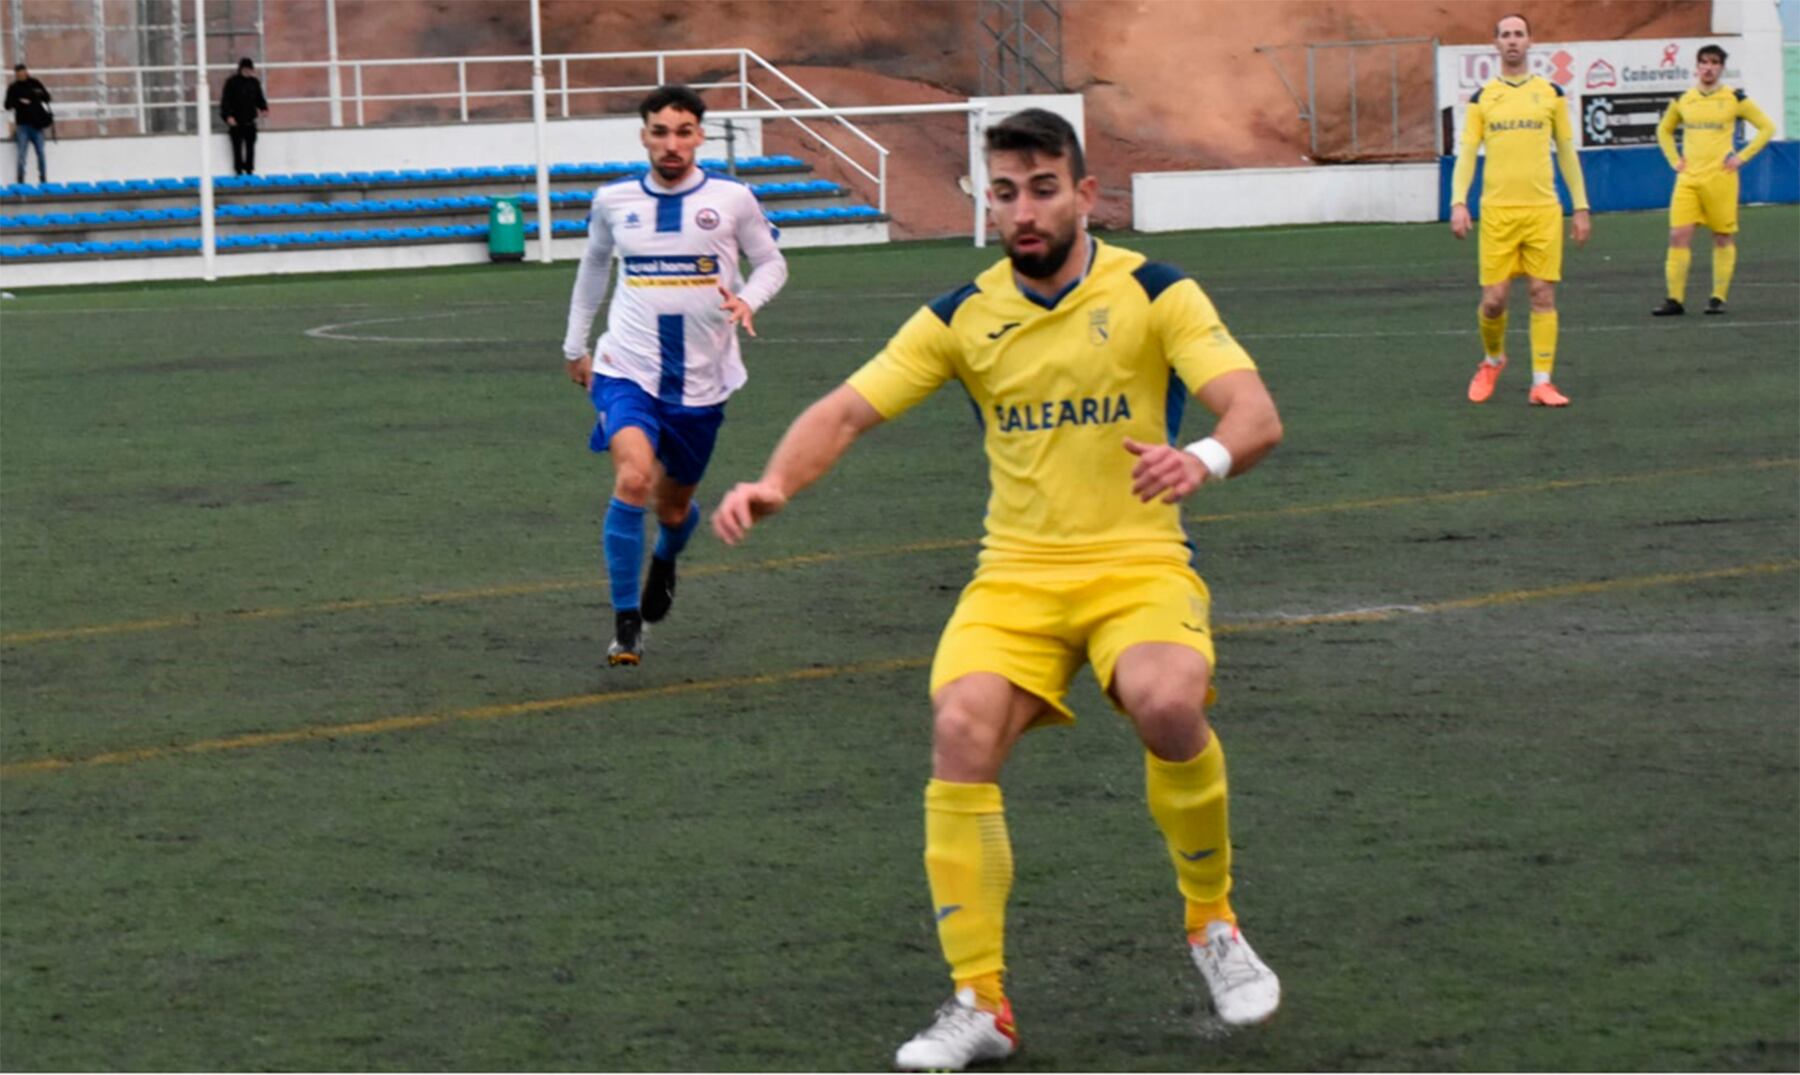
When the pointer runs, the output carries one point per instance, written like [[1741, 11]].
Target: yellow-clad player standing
[[1516, 117], [1078, 356], [1706, 175]]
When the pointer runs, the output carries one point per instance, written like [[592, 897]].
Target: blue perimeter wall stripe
[[671, 337], [1637, 177]]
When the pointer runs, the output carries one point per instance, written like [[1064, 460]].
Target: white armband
[[1215, 457]]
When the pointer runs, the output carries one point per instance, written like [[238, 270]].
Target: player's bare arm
[[810, 447], [1249, 427]]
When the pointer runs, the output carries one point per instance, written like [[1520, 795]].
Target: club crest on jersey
[[632, 220], [707, 218], [1100, 326]]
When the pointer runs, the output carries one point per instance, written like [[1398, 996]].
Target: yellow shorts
[[1712, 202], [1036, 626], [1514, 240]]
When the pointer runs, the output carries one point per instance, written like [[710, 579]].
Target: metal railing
[[1346, 120], [364, 92]]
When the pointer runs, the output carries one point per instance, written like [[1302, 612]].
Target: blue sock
[[623, 537], [671, 540]]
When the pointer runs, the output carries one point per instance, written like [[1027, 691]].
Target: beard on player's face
[[1046, 255]]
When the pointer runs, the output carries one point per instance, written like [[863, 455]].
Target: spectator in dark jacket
[[26, 99], [240, 104]]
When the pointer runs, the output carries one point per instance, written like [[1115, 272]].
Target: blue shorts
[[681, 436]]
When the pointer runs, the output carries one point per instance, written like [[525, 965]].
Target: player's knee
[[632, 484], [966, 741], [1171, 719]]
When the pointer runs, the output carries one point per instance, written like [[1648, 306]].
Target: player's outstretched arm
[[810, 447]]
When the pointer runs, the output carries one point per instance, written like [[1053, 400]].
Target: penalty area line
[[417, 721]]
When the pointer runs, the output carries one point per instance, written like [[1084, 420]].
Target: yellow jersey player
[[1076, 354], [1706, 175], [1516, 117]]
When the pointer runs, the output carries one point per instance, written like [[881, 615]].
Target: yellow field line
[[524, 589], [313, 733]]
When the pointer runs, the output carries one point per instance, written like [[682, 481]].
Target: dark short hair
[[1038, 130], [671, 96], [1514, 15], [1710, 50], [18, 67], [246, 62]]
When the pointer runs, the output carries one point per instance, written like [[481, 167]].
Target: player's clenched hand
[[1459, 221], [1163, 470], [580, 370], [1581, 225], [741, 508], [738, 312]]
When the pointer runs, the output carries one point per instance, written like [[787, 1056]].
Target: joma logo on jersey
[[651, 270], [1052, 413]]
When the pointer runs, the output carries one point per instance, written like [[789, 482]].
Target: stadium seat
[[360, 177], [68, 248], [305, 179], [90, 218], [102, 247], [275, 180], [52, 189], [333, 179], [8, 250], [384, 176], [36, 250], [167, 183], [59, 220], [140, 186]]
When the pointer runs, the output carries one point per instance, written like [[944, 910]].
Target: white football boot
[[960, 1034], [1244, 989]]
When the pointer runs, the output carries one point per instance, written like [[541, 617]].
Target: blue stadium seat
[[140, 186], [568, 227], [333, 179], [187, 243], [29, 220], [466, 174], [102, 247], [36, 250], [52, 188], [117, 216], [291, 209], [68, 248], [228, 182], [168, 183], [491, 171], [8, 250], [360, 177], [110, 186], [276, 180], [304, 238], [305, 179], [384, 176], [190, 182], [440, 174], [16, 190], [82, 188], [90, 218], [315, 208], [356, 235], [7, 222], [183, 212], [59, 220], [330, 236]]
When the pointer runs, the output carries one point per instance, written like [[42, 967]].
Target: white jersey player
[[669, 357]]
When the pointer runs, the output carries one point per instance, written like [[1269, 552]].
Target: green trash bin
[[506, 231]]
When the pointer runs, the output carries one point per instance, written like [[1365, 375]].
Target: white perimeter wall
[[1254, 197], [362, 149]]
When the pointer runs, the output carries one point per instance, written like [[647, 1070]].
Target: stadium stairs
[[61, 223]]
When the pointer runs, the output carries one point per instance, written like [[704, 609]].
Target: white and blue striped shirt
[[676, 248]]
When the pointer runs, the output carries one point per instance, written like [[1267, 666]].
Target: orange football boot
[[1546, 395], [1481, 386]]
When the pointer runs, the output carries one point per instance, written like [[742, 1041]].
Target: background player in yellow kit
[[1706, 175], [1071, 350], [1516, 117]]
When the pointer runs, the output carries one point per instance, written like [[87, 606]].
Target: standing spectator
[[240, 104], [26, 99]]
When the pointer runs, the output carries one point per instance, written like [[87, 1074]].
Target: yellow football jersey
[[1517, 122], [1708, 122], [1059, 383]]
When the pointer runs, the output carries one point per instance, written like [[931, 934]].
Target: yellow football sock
[[1188, 801], [1543, 343], [1724, 264], [968, 860], [1493, 333], [1676, 269]]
